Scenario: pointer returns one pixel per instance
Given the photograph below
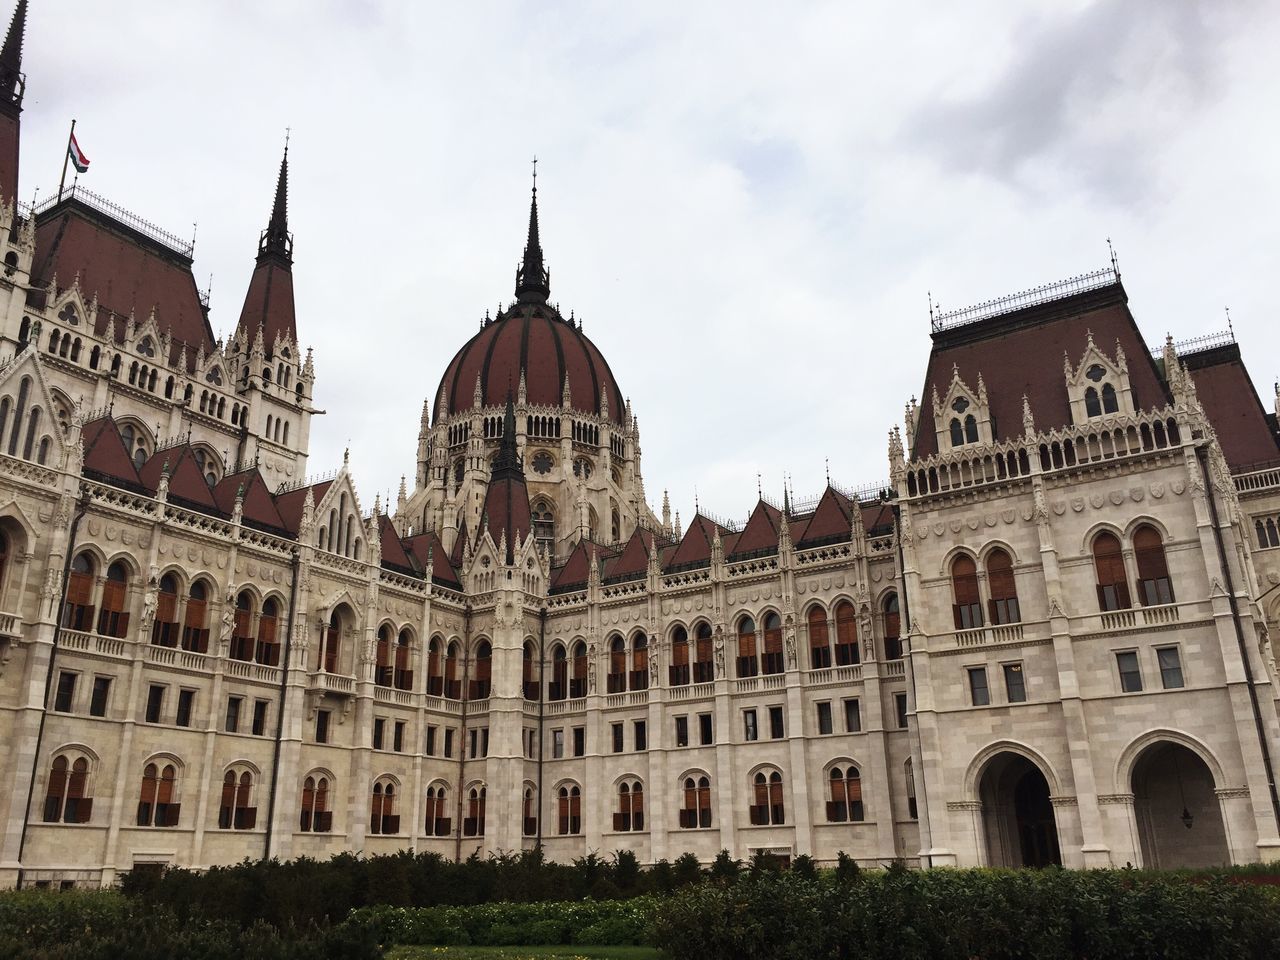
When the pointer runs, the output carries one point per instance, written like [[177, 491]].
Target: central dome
[[531, 337]]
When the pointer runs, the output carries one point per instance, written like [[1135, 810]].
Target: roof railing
[[941, 320], [732, 526], [310, 481], [1210, 341], [131, 220]]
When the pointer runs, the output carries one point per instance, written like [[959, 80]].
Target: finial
[[827, 460], [1115, 264], [759, 492], [1230, 329], [346, 456]]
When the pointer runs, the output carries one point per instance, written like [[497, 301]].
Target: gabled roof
[[394, 554], [760, 535], [831, 521], [290, 504], [633, 558], [459, 546], [576, 570], [1232, 404], [425, 548], [696, 545], [105, 454], [877, 517], [187, 484], [259, 506]]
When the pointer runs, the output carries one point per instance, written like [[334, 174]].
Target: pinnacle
[[11, 52]]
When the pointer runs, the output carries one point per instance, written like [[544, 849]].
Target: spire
[[507, 463], [276, 238], [268, 304], [533, 281], [11, 52], [12, 84]]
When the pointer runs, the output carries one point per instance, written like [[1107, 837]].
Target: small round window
[[960, 404], [542, 462], [1096, 372]]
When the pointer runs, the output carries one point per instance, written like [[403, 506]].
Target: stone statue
[[719, 651], [591, 668]]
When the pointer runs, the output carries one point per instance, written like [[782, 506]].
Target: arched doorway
[[1178, 814], [1017, 815]]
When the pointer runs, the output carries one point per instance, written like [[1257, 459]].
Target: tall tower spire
[[12, 86], [269, 302], [506, 465], [533, 280], [276, 239]]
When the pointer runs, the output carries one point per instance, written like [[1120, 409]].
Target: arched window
[[528, 684], [382, 808], [630, 813], [697, 803], [819, 641], [892, 628], [439, 823], [113, 620], [559, 674], [382, 671], [772, 661], [569, 810], [452, 685], [544, 524], [909, 772], [473, 822], [1092, 406], [77, 611], [747, 664], [484, 671], [66, 797], [970, 429], [195, 626], [616, 680], [768, 807], [845, 805], [316, 816], [403, 677], [235, 808], [957, 433], [1109, 403], [1154, 587], [529, 814], [846, 634], [330, 643], [1108, 565], [268, 648], [1004, 592], [640, 662], [704, 670], [967, 607], [164, 630], [678, 672], [435, 679], [242, 639], [578, 685], [155, 802]]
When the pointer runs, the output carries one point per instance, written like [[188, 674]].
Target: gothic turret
[[506, 505], [12, 87], [533, 280], [269, 302]]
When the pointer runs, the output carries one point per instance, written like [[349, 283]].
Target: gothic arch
[[985, 551], [949, 558], [1130, 754], [1096, 530], [978, 766], [1146, 520]]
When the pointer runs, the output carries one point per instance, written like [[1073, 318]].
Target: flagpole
[[66, 155]]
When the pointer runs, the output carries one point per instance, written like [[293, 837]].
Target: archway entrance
[[1179, 817], [1016, 813]]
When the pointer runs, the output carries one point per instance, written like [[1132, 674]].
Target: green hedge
[[961, 915], [597, 923]]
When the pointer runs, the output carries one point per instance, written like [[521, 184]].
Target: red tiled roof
[[186, 480], [259, 506], [1021, 353], [760, 533], [459, 545], [269, 303], [831, 519], [576, 569], [634, 557], [876, 516], [290, 504], [393, 550], [506, 508], [696, 545], [424, 547], [1232, 404], [104, 451]]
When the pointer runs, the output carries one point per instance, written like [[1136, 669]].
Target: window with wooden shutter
[[56, 790], [1154, 586], [1108, 563], [242, 639], [195, 629], [772, 661], [640, 662], [747, 664], [616, 681], [819, 641], [267, 650], [435, 679], [1004, 592], [846, 635], [113, 620], [77, 611], [382, 658], [892, 628], [147, 796], [578, 687], [452, 685], [679, 669], [703, 664], [964, 587], [164, 629], [403, 676], [483, 671], [79, 806]]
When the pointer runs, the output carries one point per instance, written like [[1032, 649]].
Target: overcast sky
[[747, 203]]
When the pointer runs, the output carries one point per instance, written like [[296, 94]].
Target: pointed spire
[[533, 282], [507, 463], [11, 79], [276, 238]]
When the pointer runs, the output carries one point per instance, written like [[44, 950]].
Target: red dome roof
[[532, 337]]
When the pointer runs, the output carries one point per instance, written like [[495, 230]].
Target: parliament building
[[1044, 639]]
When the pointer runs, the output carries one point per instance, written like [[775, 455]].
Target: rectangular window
[[448, 742], [322, 726], [979, 694], [824, 717], [706, 733], [682, 731], [101, 692], [155, 702], [641, 736], [852, 716], [776, 729], [484, 741], [379, 729], [1015, 684], [431, 741], [66, 692], [260, 718], [749, 730], [1170, 667], [233, 713], [186, 703], [473, 739], [557, 744], [397, 737], [900, 708], [1130, 674], [617, 737], [579, 741]]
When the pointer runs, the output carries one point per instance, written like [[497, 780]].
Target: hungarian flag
[[78, 159]]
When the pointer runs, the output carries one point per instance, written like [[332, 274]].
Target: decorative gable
[[963, 416], [1099, 385]]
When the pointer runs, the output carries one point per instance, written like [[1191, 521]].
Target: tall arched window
[[242, 639], [484, 671], [970, 429], [768, 807], [439, 823], [964, 587], [66, 799], [845, 805], [330, 644], [382, 670], [268, 646], [155, 802], [704, 669], [569, 811], [113, 619], [452, 685], [235, 809], [1109, 402], [77, 611], [630, 813], [819, 641], [544, 526], [616, 679], [1092, 406], [473, 823], [747, 664], [640, 662], [382, 808], [909, 772], [435, 679], [957, 433], [892, 628], [195, 626], [578, 685], [678, 672], [559, 689], [772, 661], [529, 684], [697, 803], [403, 676], [1004, 592], [529, 814], [1108, 565], [1154, 587], [164, 630], [316, 816], [846, 634]]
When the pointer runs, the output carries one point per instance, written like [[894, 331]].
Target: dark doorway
[[1017, 815]]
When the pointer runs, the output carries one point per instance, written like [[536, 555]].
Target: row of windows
[[22, 426]]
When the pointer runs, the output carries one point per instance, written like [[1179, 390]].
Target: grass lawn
[[524, 953]]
